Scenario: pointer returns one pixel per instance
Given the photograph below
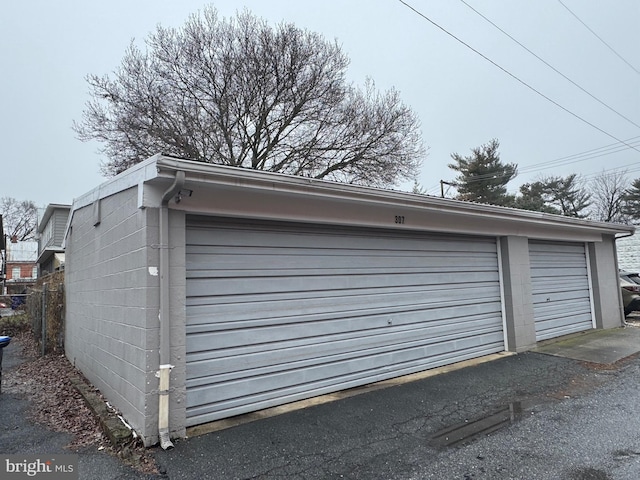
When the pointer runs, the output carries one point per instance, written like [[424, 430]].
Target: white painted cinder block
[[629, 253]]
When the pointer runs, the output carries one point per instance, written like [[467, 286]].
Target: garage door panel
[[300, 372], [566, 298], [261, 236], [555, 327], [559, 284], [278, 312], [248, 342], [560, 289], [283, 265], [328, 350], [326, 304], [357, 323], [322, 381], [570, 312], [312, 282]]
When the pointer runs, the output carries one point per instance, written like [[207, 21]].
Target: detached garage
[[198, 292]]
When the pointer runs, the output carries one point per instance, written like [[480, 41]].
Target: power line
[[552, 67], [515, 77], [599, 38], [568, 160], [624, 168], [578, 157]]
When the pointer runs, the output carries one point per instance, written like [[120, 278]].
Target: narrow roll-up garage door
[[281, 312], [560, 287]]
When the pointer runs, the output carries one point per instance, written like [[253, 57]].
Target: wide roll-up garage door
[[560, 287], [281, 312]]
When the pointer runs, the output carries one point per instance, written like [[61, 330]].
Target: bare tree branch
[[242, 93], [608, 195], [19, 218]]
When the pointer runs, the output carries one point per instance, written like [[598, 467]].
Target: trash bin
[[4, 341]]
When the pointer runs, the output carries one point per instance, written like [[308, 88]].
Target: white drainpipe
[[164, 373]]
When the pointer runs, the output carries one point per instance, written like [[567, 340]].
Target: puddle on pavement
[[481, 426]]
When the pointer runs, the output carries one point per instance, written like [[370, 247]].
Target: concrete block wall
[[112, 296], [607, 300], [516, 270]]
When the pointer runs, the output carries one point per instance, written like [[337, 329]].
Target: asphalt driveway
[[531, 415]]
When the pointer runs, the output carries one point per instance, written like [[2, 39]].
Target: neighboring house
[[197, 292], [51, 229], [21, 266], [629, 253]]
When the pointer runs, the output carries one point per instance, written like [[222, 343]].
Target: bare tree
[[242, 93], [20, 218], [608, 191]]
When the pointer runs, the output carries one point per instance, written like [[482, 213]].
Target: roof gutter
[[625, 235], [164, 373], [217, 176]]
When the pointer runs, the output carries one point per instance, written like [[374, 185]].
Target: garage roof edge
[[163, 167], [198, 172]]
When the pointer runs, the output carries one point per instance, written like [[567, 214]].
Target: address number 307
[[399, 218]]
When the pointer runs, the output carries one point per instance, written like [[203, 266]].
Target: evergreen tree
[[482, 176], [566, 195], [632, 200], [532, 198]]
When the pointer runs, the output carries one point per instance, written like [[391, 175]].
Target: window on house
[[34, 272], [15, 273]]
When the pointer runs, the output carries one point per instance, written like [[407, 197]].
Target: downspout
[[615, 252], [165, 324]]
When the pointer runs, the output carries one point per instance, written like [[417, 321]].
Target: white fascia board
[[490, 219], [131, 177], [226, 188]]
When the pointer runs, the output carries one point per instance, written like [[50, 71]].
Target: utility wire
[[630, 168], [567, 160], [514, 77], [552, 67], [599, 38], [577, 157]]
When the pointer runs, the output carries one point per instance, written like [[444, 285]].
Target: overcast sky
[[463, 100]]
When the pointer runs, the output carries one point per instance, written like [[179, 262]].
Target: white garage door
[[279, 312], [560, 286]]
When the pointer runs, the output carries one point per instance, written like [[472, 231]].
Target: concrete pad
[[596, 346]]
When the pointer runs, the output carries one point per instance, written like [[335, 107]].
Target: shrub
[[15, 324]]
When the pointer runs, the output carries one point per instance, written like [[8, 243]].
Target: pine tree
[[632, 200], [482, 176]]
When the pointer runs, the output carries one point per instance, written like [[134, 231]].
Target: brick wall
[[26, 270]]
